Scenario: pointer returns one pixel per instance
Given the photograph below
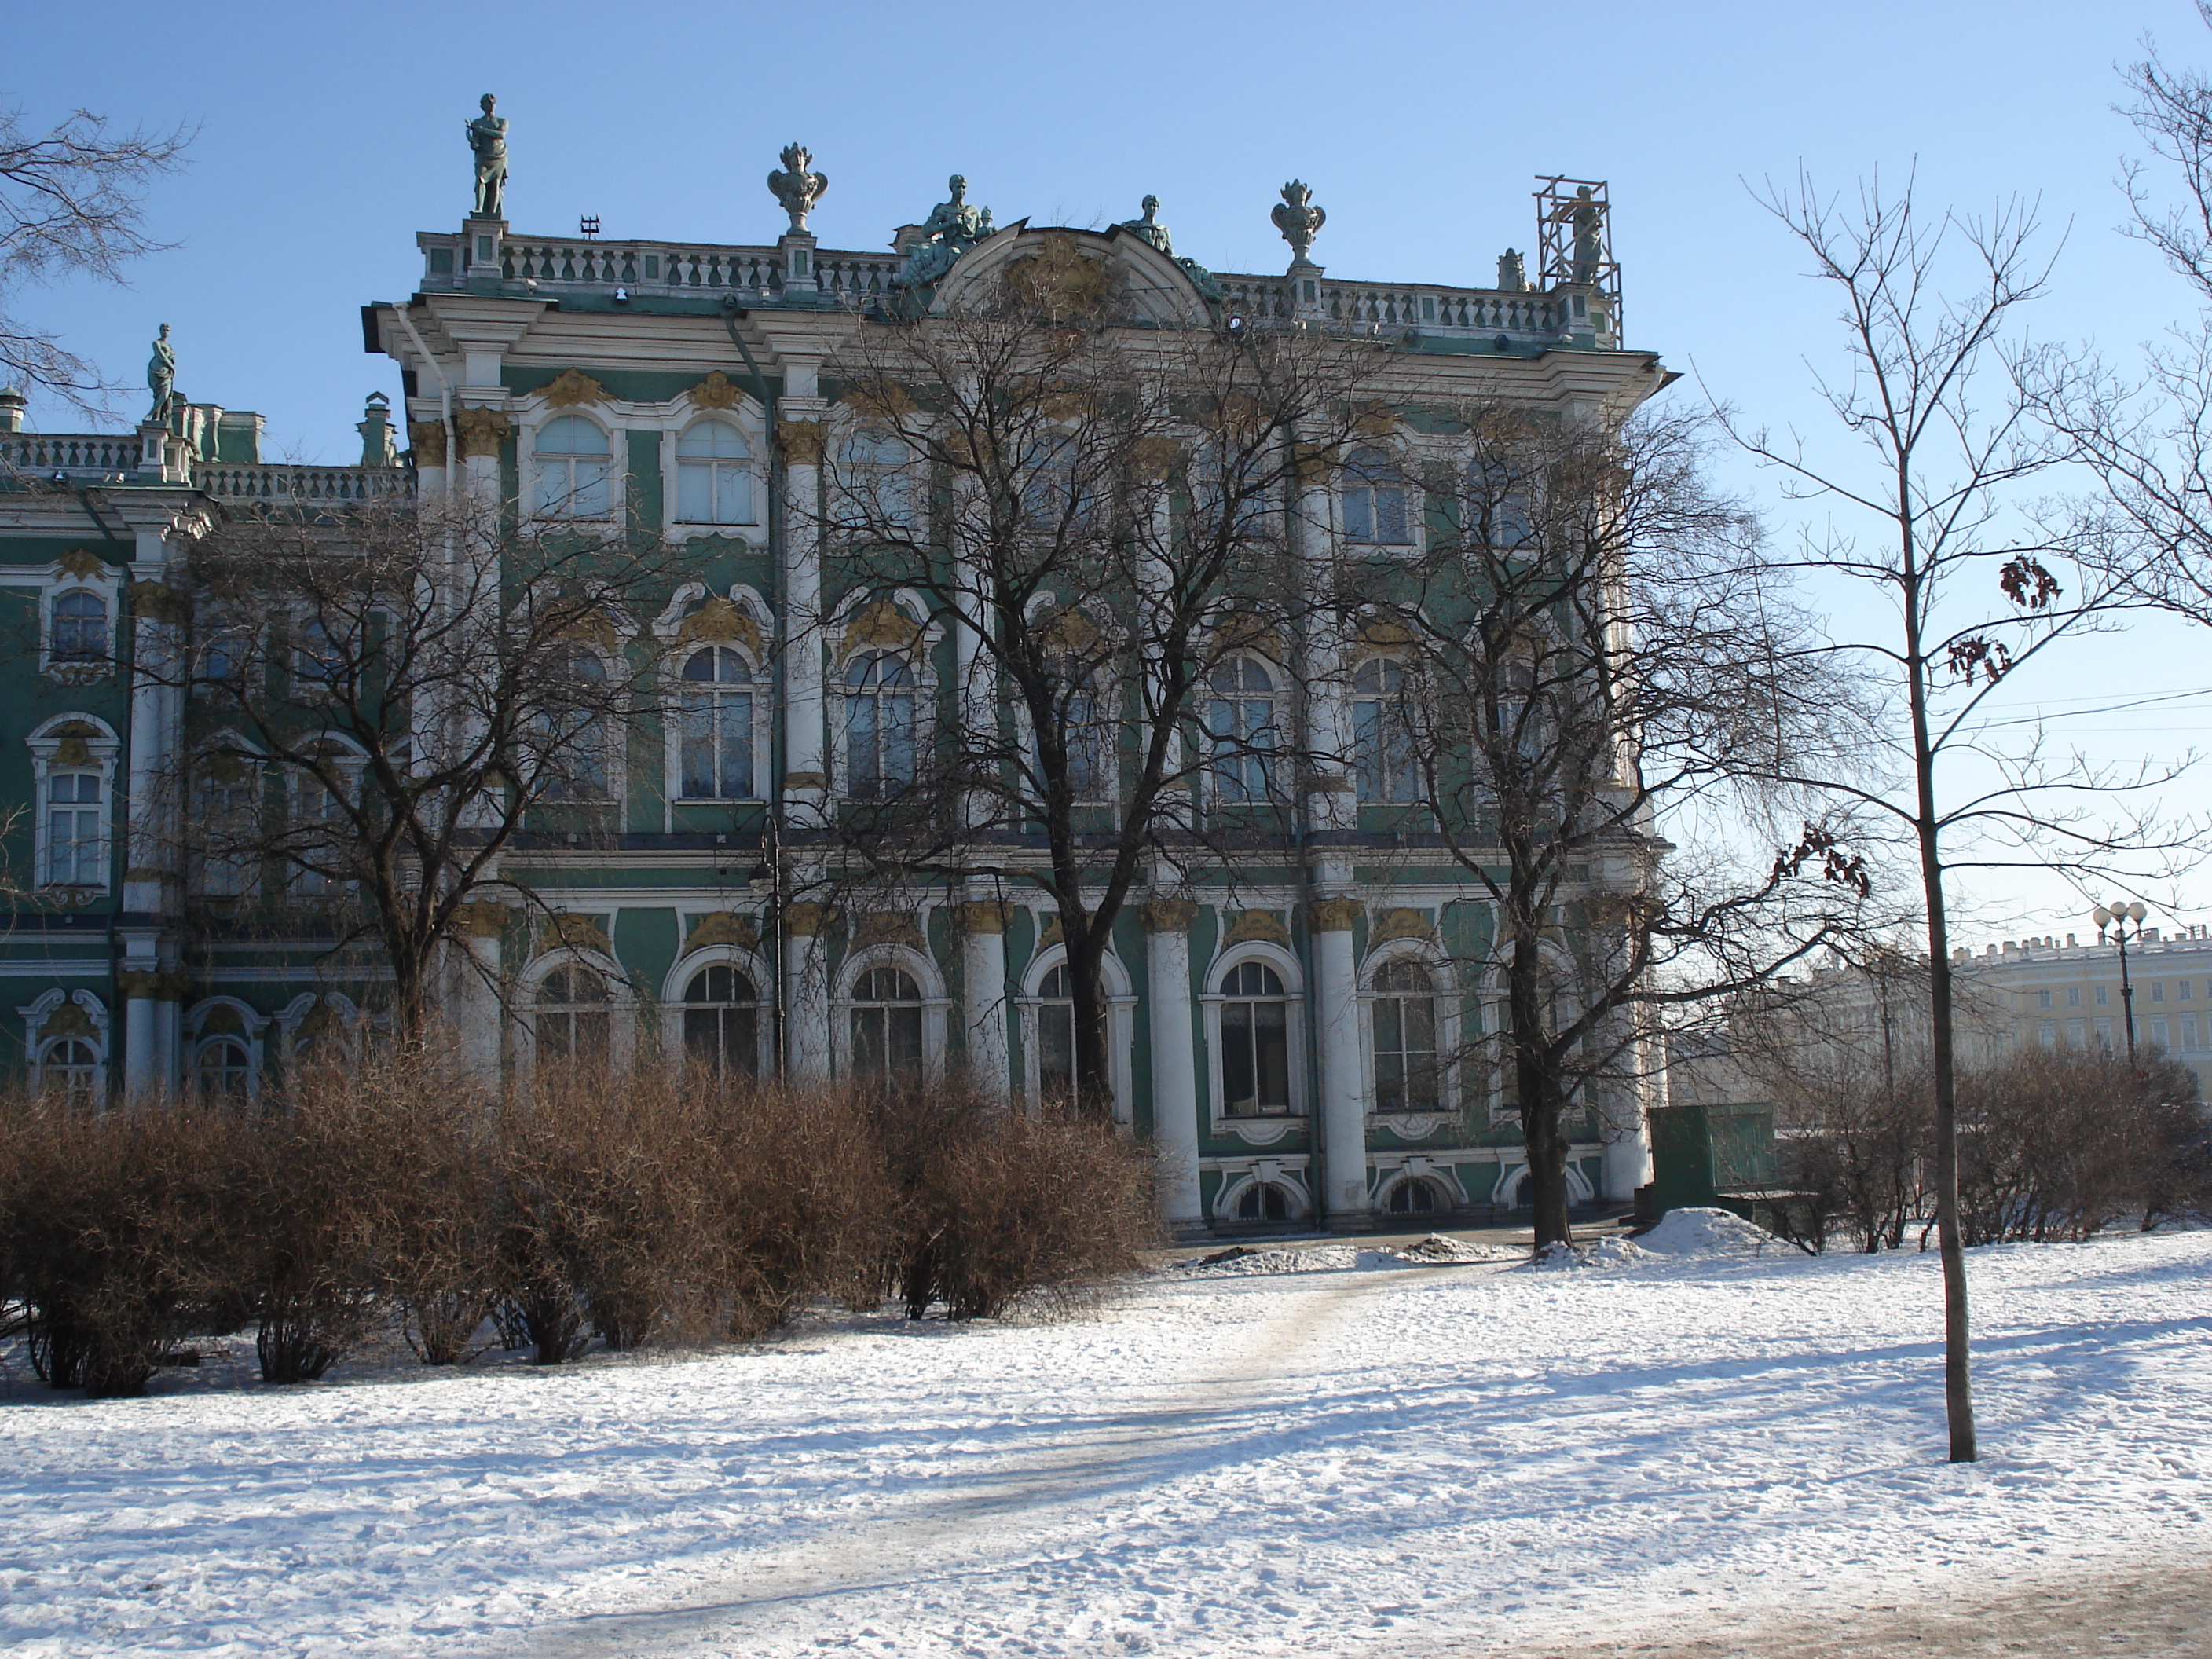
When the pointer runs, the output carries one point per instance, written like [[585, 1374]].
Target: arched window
[[879, 734], [79, 630], [1382, 733], [579, 733], [1055, 1037], [715, 720], [76, 850], [1263, 1200], [226, 826], [1414, 1196], [721, 1021], [1375, 500], [878, 481], [714, 475], [886, 1014], [1240, 721], [224, 1069], [575, 469], [1403, 1014], [1255, 1051], [572, 1018], [69, 1067]]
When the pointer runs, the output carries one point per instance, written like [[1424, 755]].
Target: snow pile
[[1703, 1231], [1599, 1253], [1441, 1247], [1246, 1260]]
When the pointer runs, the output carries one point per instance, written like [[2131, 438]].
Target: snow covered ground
[[1366, 1457]]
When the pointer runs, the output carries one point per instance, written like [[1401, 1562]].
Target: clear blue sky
[[330, 135]]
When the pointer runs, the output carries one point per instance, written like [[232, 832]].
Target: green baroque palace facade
[[1261, 1011]]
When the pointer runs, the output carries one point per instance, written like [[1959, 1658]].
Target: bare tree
[[1926, 517], [1588, 641], [383, 703], [1100, 517], [71, 200]]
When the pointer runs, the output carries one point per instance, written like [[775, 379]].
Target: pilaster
[[1175, 1062], [1343, 1107], [799, 436], [983, 990], [807, 990]]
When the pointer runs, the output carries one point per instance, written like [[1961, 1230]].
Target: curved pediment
[[1111, 274]]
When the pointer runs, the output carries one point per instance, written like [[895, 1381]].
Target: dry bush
[[2058, 1143], [115, 1242], [997, 1206], [1857, 1139]]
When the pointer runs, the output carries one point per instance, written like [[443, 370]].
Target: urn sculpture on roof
[[795, 186], [1299, 219]]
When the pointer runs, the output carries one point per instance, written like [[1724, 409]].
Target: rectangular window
[[2184, 993], [2189, 1033], [2073, 996], [2043, 998], [2157, 1031], [1255, 1058], [2104, 996], [2158, 991], [2104, 1034], [2046, 1033], [74, 855], [2073, 1030]]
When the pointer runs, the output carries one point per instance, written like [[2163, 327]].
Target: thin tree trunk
[[1958, 1380]]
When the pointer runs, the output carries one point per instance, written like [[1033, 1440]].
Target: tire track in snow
[[1037, 1495]]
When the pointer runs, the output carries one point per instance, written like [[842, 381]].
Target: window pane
[[1237, 1084], [694, 493], [1056, 1049], [1271, 1042]]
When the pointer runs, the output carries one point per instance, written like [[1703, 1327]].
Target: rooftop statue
[[796, 188], [1150, 227], [488, 144], [1513, 274], [1589, 221], [952, 228], [1299, 219], [161, 379]]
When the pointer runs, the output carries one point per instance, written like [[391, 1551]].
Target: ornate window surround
[[744, 416], [1239, 1174], [1429, 956], [80, 574], [622, 1010], [249, 1029], [919, 653], [1257, 1131], [680, 635], [1120, 1024], [39, 1016], [748, 962], [532, 416], [49, 742], [936, 1004]]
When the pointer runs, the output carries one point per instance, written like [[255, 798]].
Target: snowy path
[[1665, 1457]]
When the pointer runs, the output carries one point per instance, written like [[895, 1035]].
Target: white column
[[983, 992], [1174, 1061], [474, 1008], [807, 757], [1343, 1103], [1624, 1126], [806, 991], [1332, 798]]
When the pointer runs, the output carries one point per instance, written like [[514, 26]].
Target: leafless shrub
[[996, 1207], [2059, 1143], [115, 1246]]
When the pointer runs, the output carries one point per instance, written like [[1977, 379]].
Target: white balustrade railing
[[78, 454], [859, 281], [306, 486], [659, 269]]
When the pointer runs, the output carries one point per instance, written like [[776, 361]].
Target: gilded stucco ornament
[[487, 136], [887, 927], [801, 442], [1170, 915], [482, 431], [428, 439], [1263, 927], [717, 391], [572, 386], [724, 927], [795, 187], [1299, 219], [1333, 916], [1060, 281]]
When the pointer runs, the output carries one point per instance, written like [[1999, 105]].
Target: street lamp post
[[2118, 918]]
